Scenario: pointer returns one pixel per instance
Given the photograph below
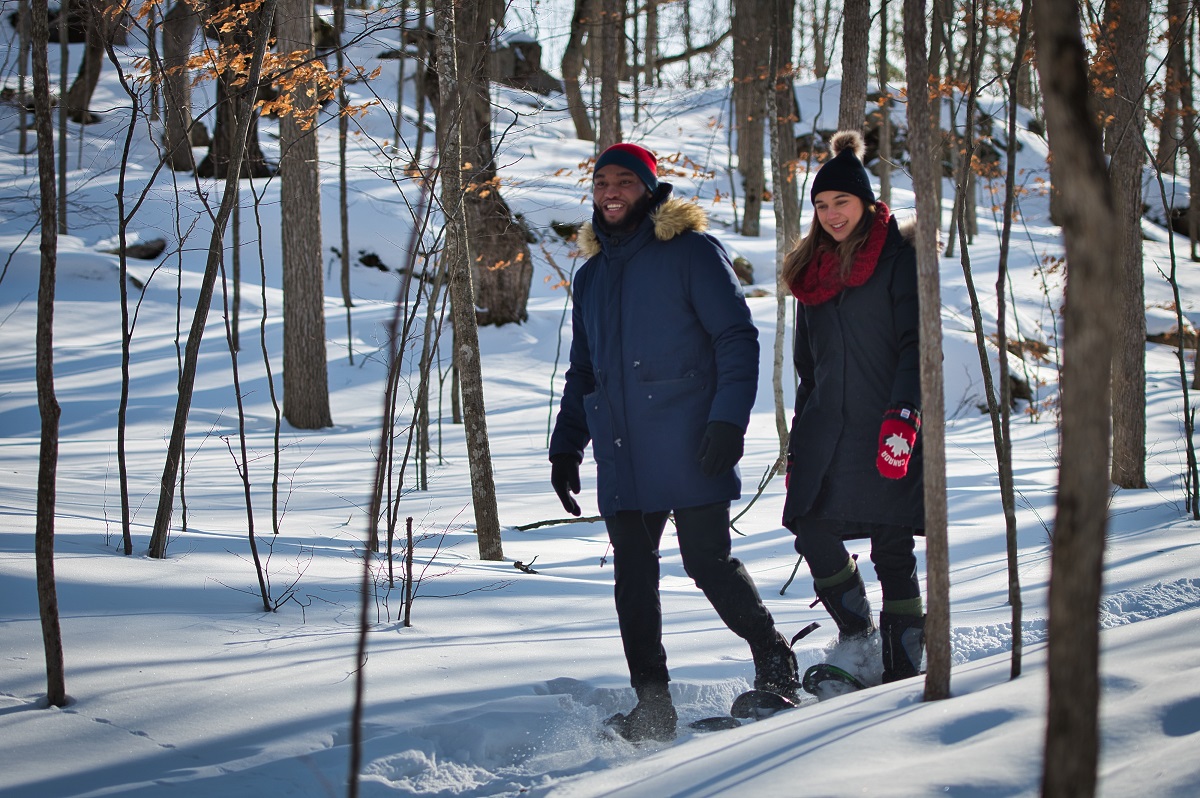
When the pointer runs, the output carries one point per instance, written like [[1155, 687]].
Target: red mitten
[[897, 435]]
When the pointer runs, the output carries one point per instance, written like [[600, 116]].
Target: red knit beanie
[[638, 160]]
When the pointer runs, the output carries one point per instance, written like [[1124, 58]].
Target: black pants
[[823, 545], [704, 545]]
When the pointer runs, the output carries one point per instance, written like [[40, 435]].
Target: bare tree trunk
[[922, 122], [305, 372], [154, 67], [234, 97], [123, 220], [502, 266], [582, 23], [938, 46], [242, 457], [1091, 233], [651, 68], [420, 87], [634, 68], [856, 44], [751, 51], [1004, 439], [959, 144], [56, 690], [970, 205], [462, 300], [1132, 19], [612, 31], [79, 96], [22, 73], [187, 375], [1191, 480], [687, 43], [339, 25], [398, 119], [885, 110], [821, 31], [63, 115], [1169, 138], [1026, 93], [999, 397], [781, 101], [980, 13], [430, 338], [965, 149], [178, 29], [235, 235], [1188, 123], [456, 404]]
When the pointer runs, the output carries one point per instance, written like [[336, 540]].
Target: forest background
[[357, 435]]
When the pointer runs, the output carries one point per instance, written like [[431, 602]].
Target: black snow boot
[[903, 641], [653, 718], [775, 668], [847, 603]]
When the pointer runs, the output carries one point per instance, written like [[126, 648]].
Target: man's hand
[[721, 448], [564, 476]]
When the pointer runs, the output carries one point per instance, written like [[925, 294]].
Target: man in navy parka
[[662, 379]]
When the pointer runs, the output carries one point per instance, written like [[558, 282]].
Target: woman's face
[[838, 213]]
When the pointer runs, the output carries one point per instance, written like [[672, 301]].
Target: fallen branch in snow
[[555, 521]]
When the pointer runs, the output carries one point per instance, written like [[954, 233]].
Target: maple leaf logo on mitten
[[898, 445]]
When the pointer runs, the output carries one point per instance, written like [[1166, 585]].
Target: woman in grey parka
[[854, 455]]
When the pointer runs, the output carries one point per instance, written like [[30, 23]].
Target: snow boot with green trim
[[903, 642], [847, 603]]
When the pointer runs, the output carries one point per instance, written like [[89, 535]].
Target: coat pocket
[[672, 414], [600, 425]]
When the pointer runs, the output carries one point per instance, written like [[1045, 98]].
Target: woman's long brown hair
[[817, 239]]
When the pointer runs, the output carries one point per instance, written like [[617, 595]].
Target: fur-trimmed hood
[[671, 218]]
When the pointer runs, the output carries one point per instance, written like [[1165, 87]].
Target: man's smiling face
[[616, 190]]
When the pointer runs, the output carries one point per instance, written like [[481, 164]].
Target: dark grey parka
[[662, 343], [857, 355]]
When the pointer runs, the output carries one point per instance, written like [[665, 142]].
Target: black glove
[[721, 448], [564, 476]]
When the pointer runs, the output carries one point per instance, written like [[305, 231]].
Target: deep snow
[[182, 685]]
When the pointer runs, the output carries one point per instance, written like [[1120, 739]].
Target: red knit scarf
[[820, 281]]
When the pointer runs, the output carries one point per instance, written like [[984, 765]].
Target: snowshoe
[[715, 723], [751, 705], [759, 704], [827, 681]]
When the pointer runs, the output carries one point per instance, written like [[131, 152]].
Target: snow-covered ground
[[181, 685]]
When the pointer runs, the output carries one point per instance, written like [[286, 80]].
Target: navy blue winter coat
[[857, 355], [663, 343]]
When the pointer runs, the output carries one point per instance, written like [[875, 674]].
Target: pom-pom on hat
[[845, 170], [638, 160]]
